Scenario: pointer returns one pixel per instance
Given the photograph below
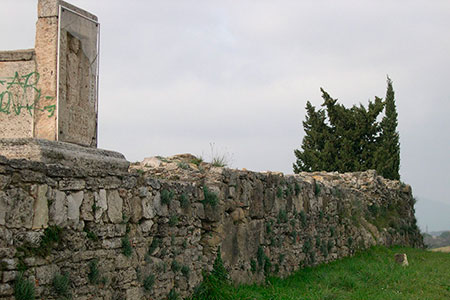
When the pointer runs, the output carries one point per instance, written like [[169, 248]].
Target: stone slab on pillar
[[71, 155], [67, 61]]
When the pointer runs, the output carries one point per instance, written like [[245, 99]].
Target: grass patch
[[167, 197], [23, 289], [148, 283], [127, 250], [211, 198], [61, 285], [368, 275]]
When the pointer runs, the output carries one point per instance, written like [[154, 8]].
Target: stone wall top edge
[[17, 55], [50, 8]]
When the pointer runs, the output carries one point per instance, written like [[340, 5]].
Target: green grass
[[369, 275]]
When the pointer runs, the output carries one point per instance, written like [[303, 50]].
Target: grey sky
[[178, 75]]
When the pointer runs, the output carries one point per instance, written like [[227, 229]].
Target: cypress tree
[[388, 153], [311, 158]]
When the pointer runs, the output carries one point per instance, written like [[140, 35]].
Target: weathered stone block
[[58, 208], [74, 201], [115, 204], [40, 217]]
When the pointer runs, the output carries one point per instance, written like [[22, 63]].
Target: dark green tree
[[350, 139], [387, 155], [316, 151]]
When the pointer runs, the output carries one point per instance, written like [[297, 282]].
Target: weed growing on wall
[[94, 273], [253, 267], [154, 245], [316, 189], [167, 196], [282, 216], [185, 270], [279, 192], [148, 283], [51, 237], [173, 295], [173, 220], [23, 289], [184, 201], [127, 250], [61, 285], [297, 189], [90, 235], [175, 266], [303, 218], [211, 198]]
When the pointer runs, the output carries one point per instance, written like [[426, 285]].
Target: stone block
[[45, 274], [115, 204], [74, 201], [19, 209], [58, 208], [40, 217]]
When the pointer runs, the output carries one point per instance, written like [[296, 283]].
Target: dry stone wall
[[154, 229]]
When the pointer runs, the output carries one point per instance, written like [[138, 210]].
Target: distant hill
[[442, 240], [434, 214]]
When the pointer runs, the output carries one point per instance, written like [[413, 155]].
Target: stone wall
[[112, 233]]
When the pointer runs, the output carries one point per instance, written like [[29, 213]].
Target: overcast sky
[[176, 76]]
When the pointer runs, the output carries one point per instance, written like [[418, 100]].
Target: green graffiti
[[15, 98]]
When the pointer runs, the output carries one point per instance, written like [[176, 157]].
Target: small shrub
[[183, 165], [260, 256], [211, 198], [184, 201], [61, 284], [297, 189], [148, 283], [350, 241], [175, 266], [154, 245], [267, 265], [332, 231], [185, 244], [324, 250], [282, 216], [279, 192], [166, 196], [330, 245], [303, 218], [219, 270], [94, 273], [197, 160], [318, 241], [185, 271], [172, 295], [281, 258], [316, 189], [173, 220], [127, 250], [253, 266], [288, 191], [91, 235], [307, 245], [294, 236], [268, 227], [321, 215], [52, 235], [23, 289]]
